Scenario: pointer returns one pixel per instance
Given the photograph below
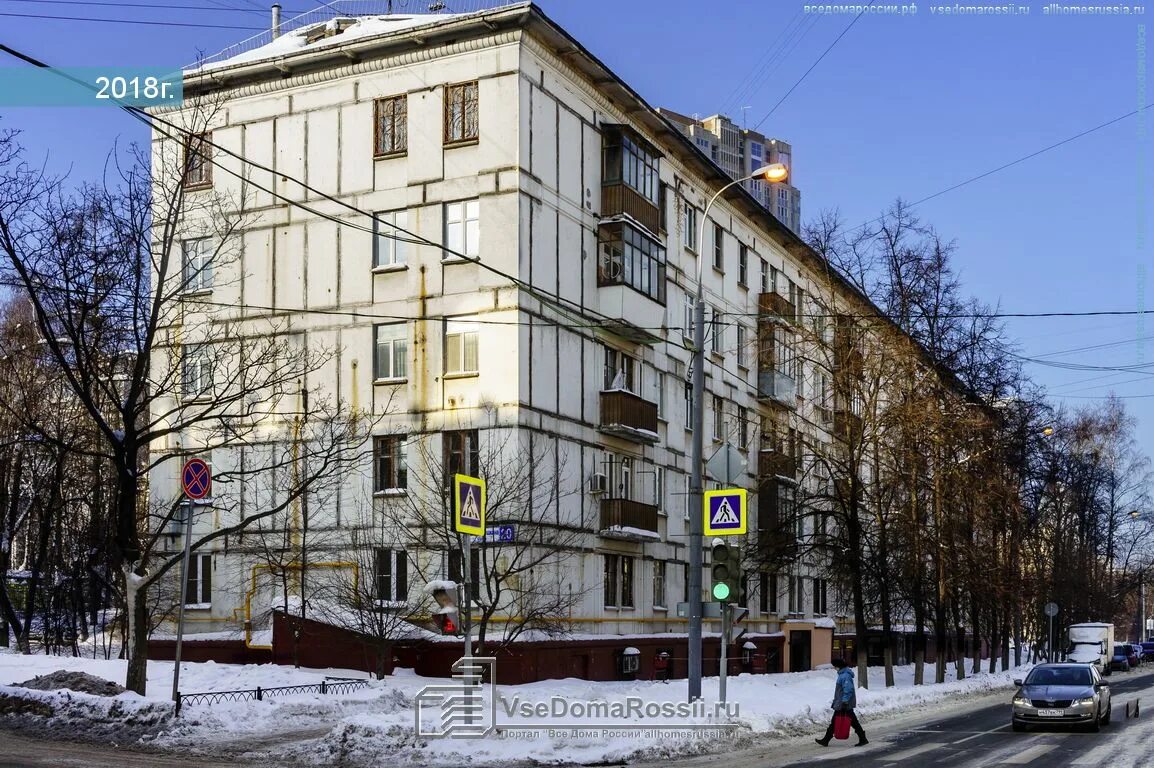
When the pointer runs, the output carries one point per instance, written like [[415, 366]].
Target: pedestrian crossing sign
[[726, 511], [469, 505]]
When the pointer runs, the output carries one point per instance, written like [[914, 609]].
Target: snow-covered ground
[[376, 725]]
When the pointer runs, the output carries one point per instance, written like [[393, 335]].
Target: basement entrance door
[[799, 650]]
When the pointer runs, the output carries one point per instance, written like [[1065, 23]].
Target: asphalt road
[[982, 738], [17, 751]]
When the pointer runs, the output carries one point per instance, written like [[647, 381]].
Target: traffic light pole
[[726, 612]]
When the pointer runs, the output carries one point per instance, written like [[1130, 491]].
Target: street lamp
[[774, 172]]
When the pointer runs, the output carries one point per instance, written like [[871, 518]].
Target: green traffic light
[[721, 591]]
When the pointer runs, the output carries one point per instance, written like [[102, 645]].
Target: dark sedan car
[[1062, 694], [1120, 660], [1133, 654], [1147, 651]]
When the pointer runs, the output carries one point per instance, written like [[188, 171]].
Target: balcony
[[776, 464], [773, 304], [628, 416], [628, 520], [847, 425], [622, 200], [774, 387]]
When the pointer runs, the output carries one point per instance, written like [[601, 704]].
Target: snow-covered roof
[[339, 30]]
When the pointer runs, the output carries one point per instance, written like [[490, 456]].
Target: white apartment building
[[740, 152], [558, 310]]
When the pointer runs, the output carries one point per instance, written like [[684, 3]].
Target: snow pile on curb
[[82, 715]]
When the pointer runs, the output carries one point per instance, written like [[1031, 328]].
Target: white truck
[[1092, 643]]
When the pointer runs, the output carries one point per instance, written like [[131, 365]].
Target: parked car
[[1062, 694], [1147, 650], [1120, 660], [1133, 654]]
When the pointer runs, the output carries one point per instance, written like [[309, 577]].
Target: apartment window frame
[[718, 418], [390, 575], [462, 352], [196, 380], [198, 585], [631, 258], [462, 113], [617, 362], [609, 580], [743, 426], [626, 160], [796, 595], [689, 232], [391, 126], [660, 596], [659, 491], [659, 394], [462, 230], [391, 352], [742, 265], [390, 251], [742, 343], [820, 596], [461, 453], [390, 464], [196, 163], [719, 247], [716, 331], [689, 406], [196, 259], [764, 276]]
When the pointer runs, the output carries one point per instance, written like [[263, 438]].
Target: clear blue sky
[[902, 106]]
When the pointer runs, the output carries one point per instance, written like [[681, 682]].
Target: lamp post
[[771, 173]]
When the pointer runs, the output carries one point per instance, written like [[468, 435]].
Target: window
[[196, 371], [764, 276], [462, 230], [389, 249], [659, 393], [718, 247], [742, 264], [773, 280], [718, 418], [461, 105], [658, 583], [196, 256], [716, 331], [624, 159], [688, 405], [742, 426], [197, 165], [455, 571], [392, 132], [460, 348], [787, 508], [626, 582], [689, 213], [742, 352], [391, 574], [390, 469], [609, 579], [768, 593], [819, 597], [199, 583], [690, 311], [659, 490], [630, 258], [392, 356], [619, 371], [796, 592], [462, 456], [685, 581]]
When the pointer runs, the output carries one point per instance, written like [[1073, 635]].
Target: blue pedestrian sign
[[726, 512], [469, 505]]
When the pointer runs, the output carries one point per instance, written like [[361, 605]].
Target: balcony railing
[[776, 464], [773, 304], [621, 199], [775, 387], [630, 416], [628, 519], [846, 424]]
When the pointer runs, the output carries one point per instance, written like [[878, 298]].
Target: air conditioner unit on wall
[[599, 483]]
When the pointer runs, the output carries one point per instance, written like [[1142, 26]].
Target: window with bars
[[460, 349], [389, 247], [392, 132], [196, 259], [391, 574], [391, 471], [197, 162], [461, 108], [199, 582]]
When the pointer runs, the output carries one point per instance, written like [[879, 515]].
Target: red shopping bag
[[841, 725]]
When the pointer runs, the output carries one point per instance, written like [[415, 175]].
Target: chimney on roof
[[275, 20]]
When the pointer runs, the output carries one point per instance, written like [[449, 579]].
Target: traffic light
[[445, 614], [726, 572]]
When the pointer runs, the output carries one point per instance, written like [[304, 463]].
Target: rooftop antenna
[[744, 120]]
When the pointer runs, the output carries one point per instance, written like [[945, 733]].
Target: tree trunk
[[136, 593]]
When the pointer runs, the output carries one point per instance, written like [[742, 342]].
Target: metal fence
[[329, 685]]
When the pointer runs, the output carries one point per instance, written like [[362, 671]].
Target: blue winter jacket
[[845, 690]]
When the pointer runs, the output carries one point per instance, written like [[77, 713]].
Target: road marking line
[[1096, 756], [981, 733], [1029, 755], [907, 754]]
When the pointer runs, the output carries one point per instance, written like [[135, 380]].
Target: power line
[[132, 21], [171, 6], [812, 67]]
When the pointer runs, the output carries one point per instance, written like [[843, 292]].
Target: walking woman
[[844, 700]]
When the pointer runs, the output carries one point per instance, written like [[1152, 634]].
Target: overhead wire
[[145, 22]]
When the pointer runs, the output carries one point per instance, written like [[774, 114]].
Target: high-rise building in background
[[739, 152]]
